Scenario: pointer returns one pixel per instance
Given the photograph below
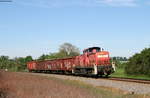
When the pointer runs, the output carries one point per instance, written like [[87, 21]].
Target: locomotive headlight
[[99, 56], [102, 56]]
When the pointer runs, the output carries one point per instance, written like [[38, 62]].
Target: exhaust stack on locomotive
[[93, 61]]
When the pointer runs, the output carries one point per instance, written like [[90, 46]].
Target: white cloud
[[62, 3], [118, 2]]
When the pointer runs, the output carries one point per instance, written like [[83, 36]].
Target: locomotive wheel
[[96, 76], [107, 74], [30, 70]]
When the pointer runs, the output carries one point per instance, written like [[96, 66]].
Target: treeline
[[120, 62], [16, 64], [20, 63], [139, 63], [118, 58]]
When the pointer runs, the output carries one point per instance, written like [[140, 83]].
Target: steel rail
[[144, 81]]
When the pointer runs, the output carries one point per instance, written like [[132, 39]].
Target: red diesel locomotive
[[93, 61]]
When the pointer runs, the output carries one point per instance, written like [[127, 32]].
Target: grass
[[121, 73], [99, 92]]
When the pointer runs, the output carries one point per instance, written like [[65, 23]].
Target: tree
[[139, 63], [43, 57], [28, 59], [68, 50], [65, 50], [16, 64], [4, 62]]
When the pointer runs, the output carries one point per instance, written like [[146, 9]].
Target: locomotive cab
[[92, 50]]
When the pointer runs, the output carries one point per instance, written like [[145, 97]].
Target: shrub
[[139, 63]]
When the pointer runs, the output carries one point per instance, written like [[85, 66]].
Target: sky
[[36, 27]]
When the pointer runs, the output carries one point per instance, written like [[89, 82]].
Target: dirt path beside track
[[19, 85], [39, 85]]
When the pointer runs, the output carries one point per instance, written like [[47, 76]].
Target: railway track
[[143, 81], [130, 80]]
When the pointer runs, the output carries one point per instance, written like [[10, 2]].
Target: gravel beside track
[[129, 87]]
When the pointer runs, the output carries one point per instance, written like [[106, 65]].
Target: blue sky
[[34, 27]]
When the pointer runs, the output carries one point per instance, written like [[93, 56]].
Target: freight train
[[93, 61]]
